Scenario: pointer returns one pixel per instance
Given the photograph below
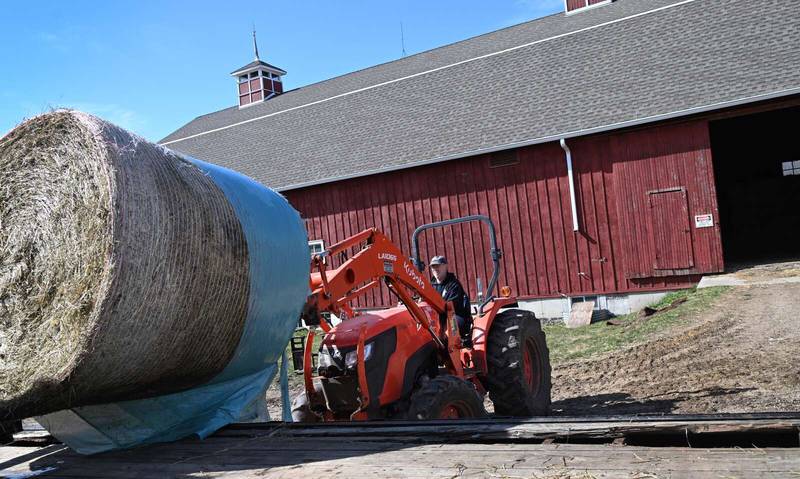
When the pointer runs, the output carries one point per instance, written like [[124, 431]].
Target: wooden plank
[[584, 237], [581, 314], [627, 419], [539, 241], [502, 430], [477, 458], [216, 458], [528, 255], [233, 447], [552, 259]]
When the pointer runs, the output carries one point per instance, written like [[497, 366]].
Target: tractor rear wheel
[[446, 397], [519, 365]]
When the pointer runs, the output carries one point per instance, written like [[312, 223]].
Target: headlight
[[351, 358]]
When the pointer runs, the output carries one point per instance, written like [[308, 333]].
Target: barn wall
[[620, 241]]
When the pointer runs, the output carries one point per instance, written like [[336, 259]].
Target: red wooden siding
[[618, 243], [676, 156], [575, 4], [252, 91]]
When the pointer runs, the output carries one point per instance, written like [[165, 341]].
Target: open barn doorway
[[757, 169]]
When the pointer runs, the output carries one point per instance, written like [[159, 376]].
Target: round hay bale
[[123, 268]]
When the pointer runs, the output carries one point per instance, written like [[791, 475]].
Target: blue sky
[[151, 66]]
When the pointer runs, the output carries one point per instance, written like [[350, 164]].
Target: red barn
[[623, 148]]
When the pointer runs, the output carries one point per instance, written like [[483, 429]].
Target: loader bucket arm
[[378, 259]]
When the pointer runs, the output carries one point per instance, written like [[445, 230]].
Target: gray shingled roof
[[563, 75], [257, 63]]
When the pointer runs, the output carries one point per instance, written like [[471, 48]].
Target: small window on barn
[[503, 158], [242, 78], [791, 168], [316, 246]]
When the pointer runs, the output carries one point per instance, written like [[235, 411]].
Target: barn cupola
[[258, 80], [575, 6]]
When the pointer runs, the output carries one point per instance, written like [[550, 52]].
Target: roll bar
[[494, 251]]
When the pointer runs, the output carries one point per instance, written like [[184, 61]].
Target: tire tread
[[505, 382]]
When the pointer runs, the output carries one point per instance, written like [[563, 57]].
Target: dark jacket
[[451, 290]]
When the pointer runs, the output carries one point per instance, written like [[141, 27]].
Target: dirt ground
[[769, 272], [274, 397], [739, 355]]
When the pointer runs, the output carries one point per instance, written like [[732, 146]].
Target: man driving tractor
[[451, 289]]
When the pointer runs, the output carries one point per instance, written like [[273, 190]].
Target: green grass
[[569, 344]]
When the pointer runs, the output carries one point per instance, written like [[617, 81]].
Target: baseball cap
[[438, 260]]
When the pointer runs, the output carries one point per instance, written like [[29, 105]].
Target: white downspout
[[574, 205]]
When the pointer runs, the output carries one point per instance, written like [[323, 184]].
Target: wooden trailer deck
[[630, 447]]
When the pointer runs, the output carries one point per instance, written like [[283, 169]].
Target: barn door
[[670, 229]]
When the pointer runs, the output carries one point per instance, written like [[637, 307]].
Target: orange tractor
[[409, 362]]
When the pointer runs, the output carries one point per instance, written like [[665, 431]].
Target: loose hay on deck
[[123, 268]]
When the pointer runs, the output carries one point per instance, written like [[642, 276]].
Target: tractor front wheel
[[446, 397], [519, 365]]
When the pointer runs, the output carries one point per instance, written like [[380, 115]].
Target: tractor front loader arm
[[333, 290]]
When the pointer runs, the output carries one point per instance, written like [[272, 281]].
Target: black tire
[[519, 365], [301, 411], [445, 397]]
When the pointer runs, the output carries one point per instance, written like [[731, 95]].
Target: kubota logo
[[413, 273]]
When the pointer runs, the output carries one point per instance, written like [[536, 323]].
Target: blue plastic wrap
[[279, 266]]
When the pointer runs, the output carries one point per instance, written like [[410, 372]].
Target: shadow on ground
[[624, 403]]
